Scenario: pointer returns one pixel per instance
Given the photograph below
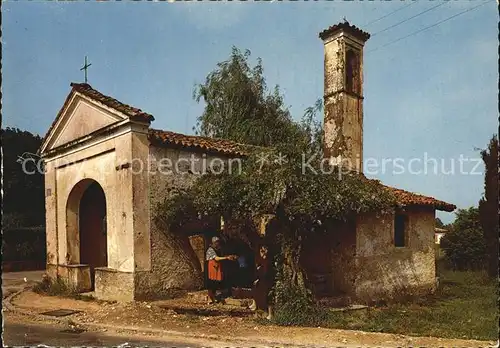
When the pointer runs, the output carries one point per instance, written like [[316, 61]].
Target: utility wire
[[431, 26], [407, 19], [390, 13]]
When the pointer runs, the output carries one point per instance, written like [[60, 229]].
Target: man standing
[[215, 271]]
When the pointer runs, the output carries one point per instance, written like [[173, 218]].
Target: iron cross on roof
[[85, 67]]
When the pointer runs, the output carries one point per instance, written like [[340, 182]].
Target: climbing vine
[[301, 201], [286, 176]]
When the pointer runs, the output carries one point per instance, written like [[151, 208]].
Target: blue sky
[[434, 92]]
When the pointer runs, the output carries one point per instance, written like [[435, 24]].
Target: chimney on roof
[[343, 94]]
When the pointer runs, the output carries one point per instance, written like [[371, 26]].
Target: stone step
[[238, 302], [353, 307], [90, 294]]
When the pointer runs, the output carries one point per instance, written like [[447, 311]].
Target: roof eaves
[[227, 147]]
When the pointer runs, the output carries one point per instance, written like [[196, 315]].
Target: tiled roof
[[130, 111], [346, 27], [161, 137], [87, 90], [406, 198]]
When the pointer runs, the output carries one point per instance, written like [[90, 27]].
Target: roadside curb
[[13, 308], [7, 301]]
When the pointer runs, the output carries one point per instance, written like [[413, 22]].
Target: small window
[[400, 225], [352, 72]]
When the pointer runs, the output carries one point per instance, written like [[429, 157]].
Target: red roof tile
[[130, 111], [406, 198], [346, 27], [161, 137]]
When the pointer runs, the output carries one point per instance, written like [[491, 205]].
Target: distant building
[[438, 234]]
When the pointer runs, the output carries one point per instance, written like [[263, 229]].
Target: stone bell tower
[[343, 94]]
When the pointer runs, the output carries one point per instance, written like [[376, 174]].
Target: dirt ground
[[145, 318]]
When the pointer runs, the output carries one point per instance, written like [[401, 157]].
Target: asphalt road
[[16, 334]]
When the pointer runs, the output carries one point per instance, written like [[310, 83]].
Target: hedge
[[24, 244]]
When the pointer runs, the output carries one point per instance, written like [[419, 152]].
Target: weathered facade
[[386, 270], [107, 171], [343, 94], [373, 256], [174, 261], [361, 259], [98, 142]]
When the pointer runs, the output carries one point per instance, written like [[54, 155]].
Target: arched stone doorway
[[87, 226]]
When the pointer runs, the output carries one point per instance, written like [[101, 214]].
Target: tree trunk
[[488, 206], [292, 263], [489, 223]]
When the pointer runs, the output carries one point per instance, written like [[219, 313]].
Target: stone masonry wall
[[343, 119], [174, 263]]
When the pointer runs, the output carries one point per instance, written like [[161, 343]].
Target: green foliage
[[284, 173], [294, 304], [239, 106], [23, 200], [12, 220], [306, 199], [467, 219], [297, 309], [488, 205], [464, 307], [23, 244], [176, 210], [305, 195], [464, 245]]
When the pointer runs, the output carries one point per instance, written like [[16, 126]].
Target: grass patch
[[296, 308], [465, 306], [54, 287]]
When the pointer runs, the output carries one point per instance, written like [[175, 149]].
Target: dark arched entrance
[[92, 228]]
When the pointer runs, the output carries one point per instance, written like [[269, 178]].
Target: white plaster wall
[[83, 118], [51, 214], [140, 200], [334, 66], [97, 162]]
